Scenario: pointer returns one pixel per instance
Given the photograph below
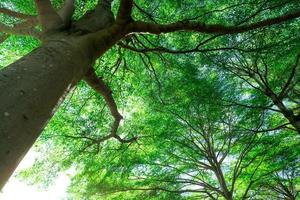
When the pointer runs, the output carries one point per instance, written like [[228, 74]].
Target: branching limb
[[19, 29], [15, 14], [124, 13], [171, 51], [260, 107], [97, 19], [9, 30], [145, 12], [24, 28], [67, 11], [99, 85], [52, 20], [206, 28], [105, 3], [288, 83], [3, 38], [48, 17]]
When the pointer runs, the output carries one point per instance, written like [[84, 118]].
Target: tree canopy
[[200, 101]]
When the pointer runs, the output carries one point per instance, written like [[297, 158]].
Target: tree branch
[[24, 28], [20, 29], [67, 11], [285, 88], [15, 14], [105, 3], [145, 13], [172, 51], [180, 191], [3, 38], [97, 19], [98, 85], [47, 16], [124, 13], [206, 28]]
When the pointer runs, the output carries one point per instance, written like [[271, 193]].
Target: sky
[[15, 189]]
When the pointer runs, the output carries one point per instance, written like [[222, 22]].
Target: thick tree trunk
[[30, 91]]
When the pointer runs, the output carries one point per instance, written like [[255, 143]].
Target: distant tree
[[275, 82], [283, 183], [188, 148]]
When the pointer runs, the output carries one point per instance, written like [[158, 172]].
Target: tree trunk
[[30, 91], [287, 113], [220, 176]]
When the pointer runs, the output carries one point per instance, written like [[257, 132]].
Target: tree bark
[[33, 87], [31, 90]]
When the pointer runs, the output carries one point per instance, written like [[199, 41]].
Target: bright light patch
[[15, 189]]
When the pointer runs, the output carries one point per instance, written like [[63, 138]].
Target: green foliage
[[196, 115]]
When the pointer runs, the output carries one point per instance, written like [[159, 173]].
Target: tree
[[188, 148], [261, 74], [34, 86], [283, 184]]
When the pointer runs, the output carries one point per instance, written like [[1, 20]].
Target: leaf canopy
[[205, 108]]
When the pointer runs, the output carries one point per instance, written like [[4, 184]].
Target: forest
[[158, 100]]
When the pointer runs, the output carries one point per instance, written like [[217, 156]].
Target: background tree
[[283, 183], [277, 80], [198, 151]]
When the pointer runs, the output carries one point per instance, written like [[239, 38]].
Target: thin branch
[[3, 38], [15, 14], [221, 10], [145, 12], [285, 88], [19, 29], [207, 28], [196, 49], [261, 107], [23, 28], [155, 189]]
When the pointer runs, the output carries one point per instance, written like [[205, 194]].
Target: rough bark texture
[[35, 85]]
